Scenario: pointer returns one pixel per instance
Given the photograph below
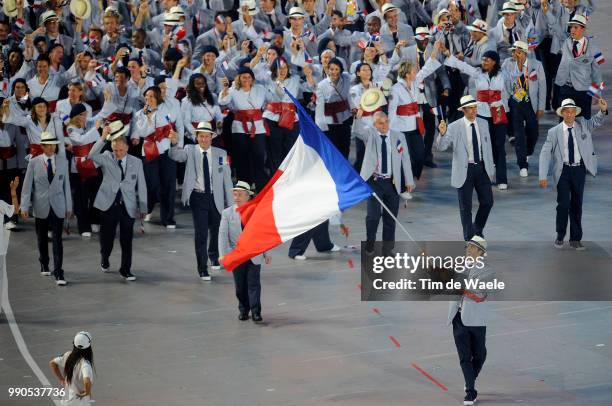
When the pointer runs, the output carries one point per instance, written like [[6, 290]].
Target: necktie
[[271, 20], [120, 162], [475, 146], [208, 5], [447, 43], [510, 39], [206, 173], [194, 25], [313, 20], [421, 59], [49, 170], [575, 49], [570, 146], [383, 151], [469, 52], [119, 196], [395, 38]]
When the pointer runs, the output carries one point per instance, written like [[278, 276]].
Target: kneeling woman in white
[[74, 370]]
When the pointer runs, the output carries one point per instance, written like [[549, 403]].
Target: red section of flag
[[375, 310], [350, 263], [261, 233]]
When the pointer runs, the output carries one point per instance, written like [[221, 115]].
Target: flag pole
[[394, 218]]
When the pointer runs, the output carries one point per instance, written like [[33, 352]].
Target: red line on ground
[[394, 340], [431, 378], [375, 310]]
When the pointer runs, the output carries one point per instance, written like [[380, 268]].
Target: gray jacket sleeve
[[224, 245]]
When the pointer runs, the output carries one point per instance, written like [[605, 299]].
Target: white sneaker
[[86, 234], [10, 225], [206, 278], [406, 195], [45, 273], [104, 269], [60, 282], [171, 226], [523, 173], [335, 248], [49, 234], [147, 218], [502, 186], [216, 267], [95, 228], [300, 257]]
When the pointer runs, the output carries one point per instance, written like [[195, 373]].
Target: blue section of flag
[[351, 188]]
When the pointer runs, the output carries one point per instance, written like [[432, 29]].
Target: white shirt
[[52, 158], [577, 156], [468, 135], [81, 370], [379, 153], [5, 210], [199, 185]]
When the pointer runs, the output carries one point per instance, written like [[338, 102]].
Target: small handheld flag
[[599, 58]]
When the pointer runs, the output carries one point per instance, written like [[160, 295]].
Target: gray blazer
[[473, 314], [229, 231], [133, 187], [582, 71], [552, 150], [400, 159], [537, 86], [456, 136], [55, 195], [221, 173]]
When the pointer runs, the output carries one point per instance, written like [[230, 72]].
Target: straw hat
[[422, 33], [178, 10], [478, 242], [509, 8], [520, 45], [171, 19], [48, 16], [296, 12], [387, 7], [371, 100], [479, 26], [568, 103], [205, 127], [253, 10], [46, 138], [80, 9], [117, 129], [241, 185], [10, 8], [578, 20], [467, 101], [386, 86]]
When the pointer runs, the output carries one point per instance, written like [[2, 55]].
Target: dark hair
[[361, 65], [276, 66], [323, 43], [494, 56], [123, 70], [28, 104], [75, 356], [336, 62], [8, 65], [43, 58], [370, 45], [337, 13], [195, 97], [39, 100], [156, 92], [137, 60]]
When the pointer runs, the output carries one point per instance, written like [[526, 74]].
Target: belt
[[334, 108], [475, 163], [200, 191], [380, 177], [488, 96], [573, 165]]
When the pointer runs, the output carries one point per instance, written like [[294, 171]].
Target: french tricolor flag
[[599, 58], [313, 167], [307, 57], [594, 90]]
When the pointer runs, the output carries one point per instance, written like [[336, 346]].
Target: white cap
[[82, 340], [479, 242]]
